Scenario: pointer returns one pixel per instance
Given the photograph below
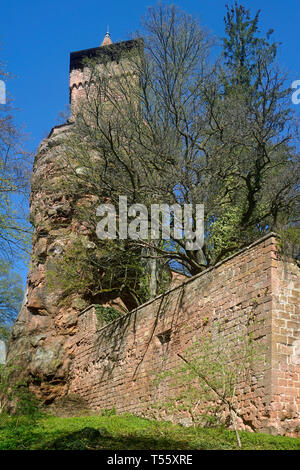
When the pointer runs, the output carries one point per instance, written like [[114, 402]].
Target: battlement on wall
[[115, 366]]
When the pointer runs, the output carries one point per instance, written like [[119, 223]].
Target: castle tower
[[43, 338], [107, 40], [108, 52]]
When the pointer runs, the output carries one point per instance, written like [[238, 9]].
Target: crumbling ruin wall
[[115, 366]]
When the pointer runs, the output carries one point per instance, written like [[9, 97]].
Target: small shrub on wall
[[106, 315]]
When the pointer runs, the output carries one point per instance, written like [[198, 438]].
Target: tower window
[[165, 337]]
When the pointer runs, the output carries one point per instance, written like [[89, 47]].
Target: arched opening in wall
[[123, 302]]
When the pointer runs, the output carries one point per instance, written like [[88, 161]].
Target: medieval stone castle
[[63, 350]]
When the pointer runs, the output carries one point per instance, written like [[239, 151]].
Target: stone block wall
[[285, 353], [114, 366], [81, 80]]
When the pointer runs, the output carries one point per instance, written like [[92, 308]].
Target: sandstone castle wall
[[114, 366], [63, 351]]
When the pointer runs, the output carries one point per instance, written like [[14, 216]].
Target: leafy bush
[[106, 314]]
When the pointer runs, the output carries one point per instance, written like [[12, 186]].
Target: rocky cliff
[[42, 341]]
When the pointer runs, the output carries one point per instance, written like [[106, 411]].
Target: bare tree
[[15, 165], [209, 381], [169, 125]]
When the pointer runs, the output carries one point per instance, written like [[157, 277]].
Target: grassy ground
[[118, 432]]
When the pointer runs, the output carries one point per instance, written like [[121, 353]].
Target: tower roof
[[107, 40], [113, 52]]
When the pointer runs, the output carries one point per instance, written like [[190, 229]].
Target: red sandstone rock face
[[177, 279], [43, 335]]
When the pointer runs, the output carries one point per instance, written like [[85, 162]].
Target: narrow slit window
[[165, 337]]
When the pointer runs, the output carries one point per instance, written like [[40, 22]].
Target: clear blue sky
[[37, 37]]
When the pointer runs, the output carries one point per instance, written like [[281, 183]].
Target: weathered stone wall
[[81, 81], [254, 289], [285, 354]]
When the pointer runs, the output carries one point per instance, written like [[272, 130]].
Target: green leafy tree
[[243, 48], [99, 274], [256, 132]]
